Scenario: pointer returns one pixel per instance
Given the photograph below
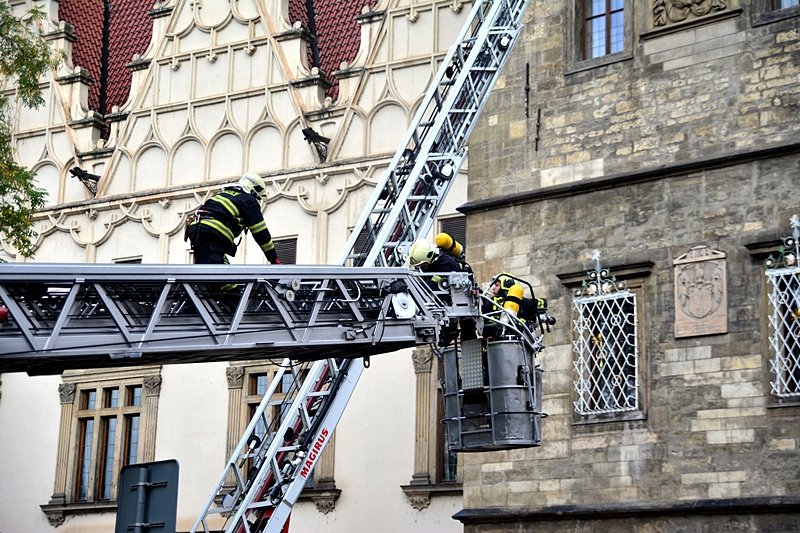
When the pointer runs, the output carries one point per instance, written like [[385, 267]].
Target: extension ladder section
[[326, 321], [264, 476], [410, 192]]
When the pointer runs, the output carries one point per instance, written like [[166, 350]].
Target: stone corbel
[[418, 494], [324, 495], [87, 132], [325, 502], [78, 82], [311, 89], [420, 491], [61, 39], [54, 517], [295, 48]]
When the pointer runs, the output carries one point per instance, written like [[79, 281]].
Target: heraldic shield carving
[[701, 293]]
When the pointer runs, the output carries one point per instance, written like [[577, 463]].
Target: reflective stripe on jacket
[[231, 211]]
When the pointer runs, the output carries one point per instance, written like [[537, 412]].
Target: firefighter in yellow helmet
[[222, 219], [428, 257], [508, 294]]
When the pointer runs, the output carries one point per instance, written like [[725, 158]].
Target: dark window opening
[[287, 250]]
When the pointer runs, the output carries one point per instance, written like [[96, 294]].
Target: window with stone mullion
[[108, 420], [104, 445], [604, 27]]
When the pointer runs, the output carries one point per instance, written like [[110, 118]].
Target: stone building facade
[[652, 146]]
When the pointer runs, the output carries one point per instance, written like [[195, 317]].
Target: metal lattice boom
[[103, 315]]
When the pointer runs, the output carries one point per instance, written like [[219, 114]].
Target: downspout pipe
[[104, 57], [312, 29]]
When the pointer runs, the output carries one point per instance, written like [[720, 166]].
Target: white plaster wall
[[192, 419], [29, 415]]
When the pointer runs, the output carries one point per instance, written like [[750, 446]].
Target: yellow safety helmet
[[254, 184], [422, 252], [506, 281]]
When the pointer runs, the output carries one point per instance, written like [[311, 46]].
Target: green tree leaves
[[24, 59]]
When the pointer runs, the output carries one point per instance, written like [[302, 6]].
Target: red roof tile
[[87, 17], [338, 36], [131, 30], [338, 33], [129, 34]]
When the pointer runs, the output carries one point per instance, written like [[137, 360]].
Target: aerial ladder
[[402, 209], [326, 322]]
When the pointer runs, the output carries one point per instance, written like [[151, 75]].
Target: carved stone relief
[[419, 501], [701, 293], [235, 375], [66, 392], [55, 519], [152, 385], [422, 358], [674, 11]]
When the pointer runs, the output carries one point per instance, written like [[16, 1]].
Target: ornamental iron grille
[[606, 345], [783, 274]]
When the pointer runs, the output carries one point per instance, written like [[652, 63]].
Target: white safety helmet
[[422, 252], [254, 184]]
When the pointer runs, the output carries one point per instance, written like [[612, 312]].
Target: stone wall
[[710, 430], [689, 138], [703, 91]]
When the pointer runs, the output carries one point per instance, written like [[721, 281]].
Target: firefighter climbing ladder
[[325, 321], [402, 208]]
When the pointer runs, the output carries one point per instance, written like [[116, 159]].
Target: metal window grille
[[606, 346], [783, 275]]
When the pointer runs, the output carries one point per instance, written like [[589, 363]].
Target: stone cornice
[[628, 178], [155, 194], [370, 16], [546, 513], [79, 75], [160, 11]]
